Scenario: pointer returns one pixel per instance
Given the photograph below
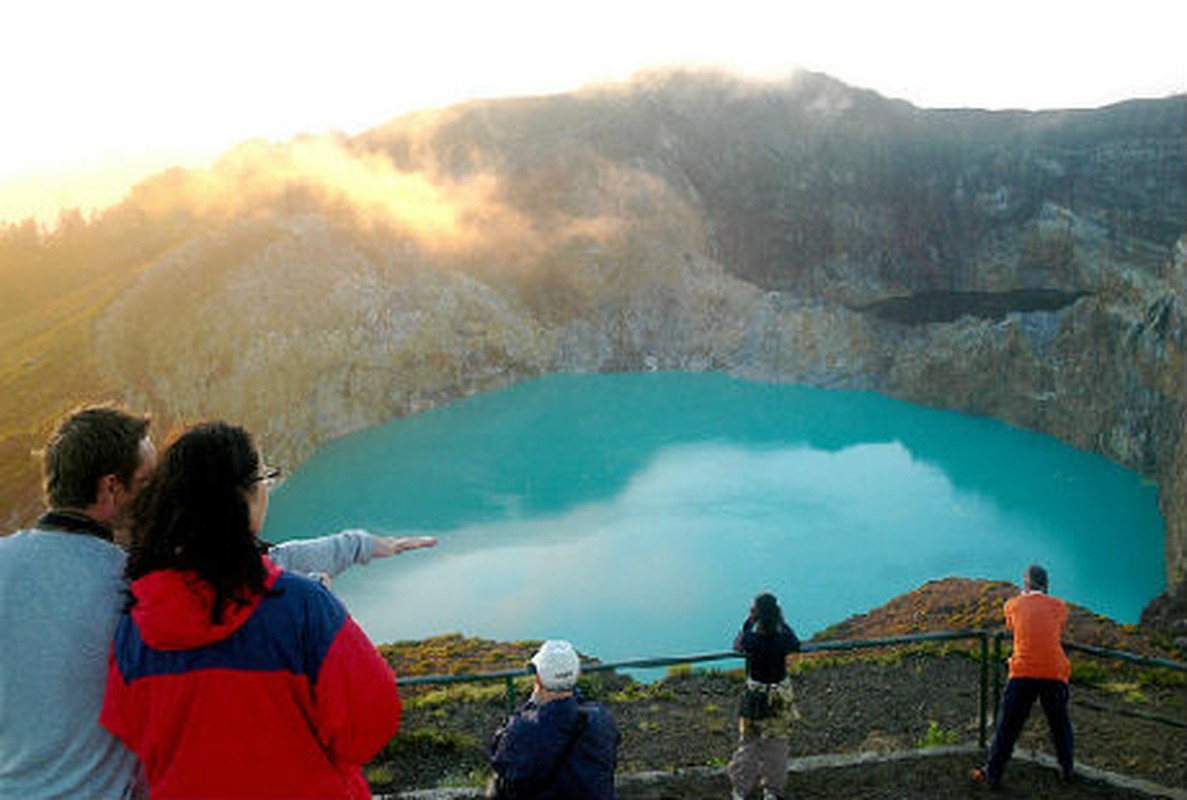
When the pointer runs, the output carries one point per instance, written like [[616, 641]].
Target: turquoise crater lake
[[637, 515]]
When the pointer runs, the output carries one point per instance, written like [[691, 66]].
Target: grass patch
[[1130, 692], [468, 779], [635, 692], [937, 737], [459, 759], [379, 774], [431, 739], [1091, 673], [465, 693]]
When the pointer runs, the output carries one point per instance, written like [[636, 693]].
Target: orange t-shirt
[[1037, 621]]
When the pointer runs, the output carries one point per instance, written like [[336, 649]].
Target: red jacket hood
[[172, 609]]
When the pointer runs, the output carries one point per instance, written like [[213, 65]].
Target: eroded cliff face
[[1107, 374], [1173, 479], [695, 224], [345, 343]]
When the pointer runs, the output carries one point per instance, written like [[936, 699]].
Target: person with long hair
[[229, 677], [767, 707]]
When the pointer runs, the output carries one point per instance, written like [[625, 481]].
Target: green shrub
[[465, 780], [432, 739], [937, 736], [1091, 673], [379, 774], [635, 691], [465, 693]]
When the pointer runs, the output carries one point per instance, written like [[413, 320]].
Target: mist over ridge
[[684, 221]]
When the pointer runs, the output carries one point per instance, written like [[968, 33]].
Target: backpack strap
[[536, 788], [578, 728]]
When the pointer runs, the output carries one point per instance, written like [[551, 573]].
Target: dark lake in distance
[[637, 515]]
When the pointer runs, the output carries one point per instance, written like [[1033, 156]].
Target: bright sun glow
[[100, 94]]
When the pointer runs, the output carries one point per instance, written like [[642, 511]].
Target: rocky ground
[[927, 776], [1128, 720], [888, 703]]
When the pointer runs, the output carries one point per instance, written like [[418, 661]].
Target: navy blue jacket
[[525, 749]]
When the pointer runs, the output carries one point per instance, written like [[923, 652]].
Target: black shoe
[[980, 775]]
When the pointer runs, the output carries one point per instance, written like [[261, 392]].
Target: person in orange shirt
[[1039, 669]]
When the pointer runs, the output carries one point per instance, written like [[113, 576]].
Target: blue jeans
[[1017, 701]]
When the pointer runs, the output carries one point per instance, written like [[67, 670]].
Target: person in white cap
[[557, 745]]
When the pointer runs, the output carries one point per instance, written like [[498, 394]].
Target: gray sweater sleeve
[[329, 554]]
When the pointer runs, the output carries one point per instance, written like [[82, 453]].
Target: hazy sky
[[96, 94]]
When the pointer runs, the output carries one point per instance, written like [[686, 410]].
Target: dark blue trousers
[[1017, 701]]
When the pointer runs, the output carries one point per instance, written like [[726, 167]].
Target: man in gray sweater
[[60, 596], [61, 593]]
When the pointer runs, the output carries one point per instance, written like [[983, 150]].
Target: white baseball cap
[[557, 665]]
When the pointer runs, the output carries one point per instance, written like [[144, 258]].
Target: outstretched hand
[[392, 545]]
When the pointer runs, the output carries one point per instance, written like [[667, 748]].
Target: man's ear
[[107, 492]]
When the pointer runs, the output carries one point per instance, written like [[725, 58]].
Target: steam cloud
[[260, 177]]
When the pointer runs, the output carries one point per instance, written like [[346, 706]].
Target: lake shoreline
[[696, 491]]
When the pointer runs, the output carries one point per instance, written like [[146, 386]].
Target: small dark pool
[[941, 306]]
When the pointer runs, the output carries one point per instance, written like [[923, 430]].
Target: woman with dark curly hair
[[767, 708], [228, 676]]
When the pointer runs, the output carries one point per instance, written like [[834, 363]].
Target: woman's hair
[[768, 617], [193, 515]]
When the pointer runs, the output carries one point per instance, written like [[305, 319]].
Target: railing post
[[997, 674], [510, 694], [984, 717]]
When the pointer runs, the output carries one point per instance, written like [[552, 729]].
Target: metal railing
[[509, 676], [982, 636], [1099, 652]]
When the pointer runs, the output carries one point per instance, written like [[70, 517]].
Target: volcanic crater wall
[[1028, 266]]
